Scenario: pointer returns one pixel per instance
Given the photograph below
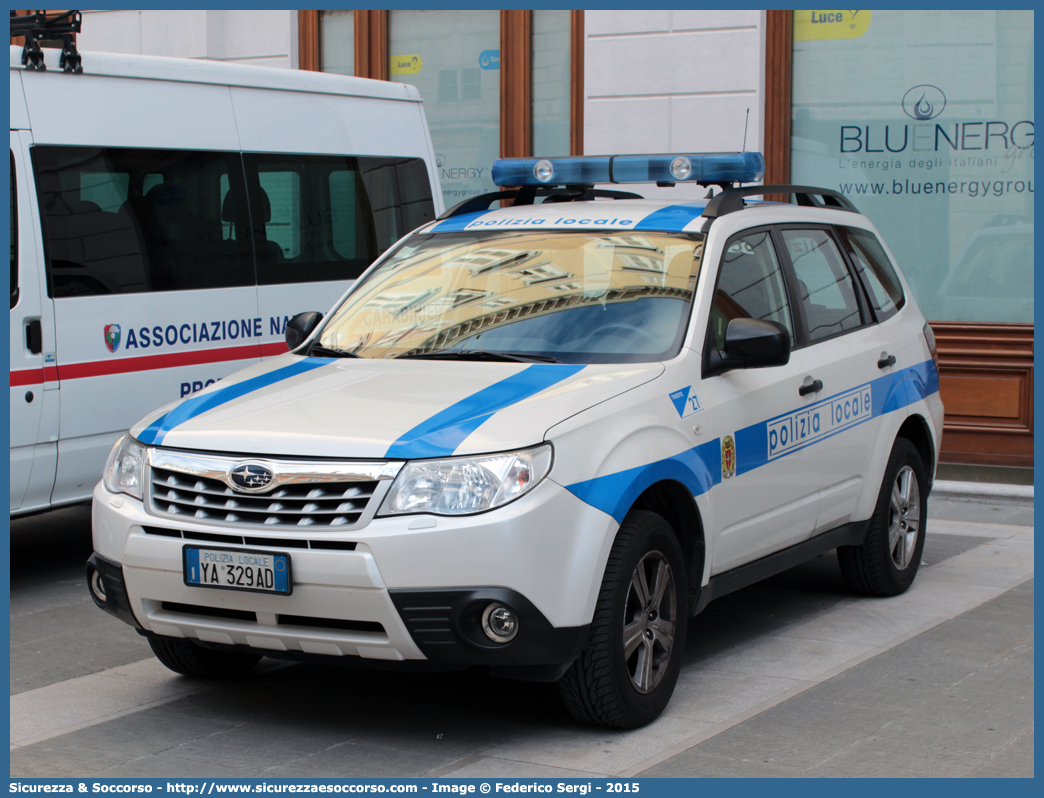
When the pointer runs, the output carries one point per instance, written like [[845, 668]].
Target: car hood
[[378, 409]]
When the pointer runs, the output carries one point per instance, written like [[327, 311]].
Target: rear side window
[[875, 270], [123, 221], [825, 287], [317, 217]]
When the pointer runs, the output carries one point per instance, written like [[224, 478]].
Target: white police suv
[[538, 438]]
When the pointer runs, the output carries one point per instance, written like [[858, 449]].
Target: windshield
[[565, 297]]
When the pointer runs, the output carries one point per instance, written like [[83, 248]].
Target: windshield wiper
[[478, 354], [317, 350]]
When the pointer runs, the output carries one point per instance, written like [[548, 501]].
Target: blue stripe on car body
[[615, 493], [197, 405], [673, 218], [440, 435], [457, 223], [699, 469], [888, 393]]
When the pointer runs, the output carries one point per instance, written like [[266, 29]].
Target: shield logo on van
[[112, 337]]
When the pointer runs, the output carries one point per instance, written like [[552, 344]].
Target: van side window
[[318, 217], [825, 287], [123, 221], [875, 270], [14, 237], [400, 194], [750, 285], [284, 194]]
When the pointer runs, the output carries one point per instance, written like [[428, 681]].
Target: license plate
[[237, 569]]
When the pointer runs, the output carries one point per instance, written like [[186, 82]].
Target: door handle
[[811, 387], [886, 360], [34, 336]]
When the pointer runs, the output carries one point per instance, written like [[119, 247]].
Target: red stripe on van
[[127, 365], [278, 348], [27, 377]]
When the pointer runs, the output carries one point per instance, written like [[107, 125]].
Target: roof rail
[[731, 200], [37, 27], [527, 194]]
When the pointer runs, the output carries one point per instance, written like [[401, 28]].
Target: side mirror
[[300, 327], [749, 344]]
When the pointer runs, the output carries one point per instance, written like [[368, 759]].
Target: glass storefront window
[[337, 46], [550, 63], [924, 119], [453, 58]]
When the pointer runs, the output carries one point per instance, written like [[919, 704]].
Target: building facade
[[923, 118]]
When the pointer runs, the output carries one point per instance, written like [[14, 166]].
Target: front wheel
[[887, 562], [627, 674]]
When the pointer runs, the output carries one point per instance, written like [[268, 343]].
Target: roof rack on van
[[37, 27], [527, 194], [731, 200]]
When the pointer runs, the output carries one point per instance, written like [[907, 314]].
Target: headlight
[[463, 485], [125, 468]]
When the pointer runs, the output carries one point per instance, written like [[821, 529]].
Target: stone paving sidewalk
[[794, 676], [956, 700]]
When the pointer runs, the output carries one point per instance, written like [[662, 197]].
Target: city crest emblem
[[728, 457], [112, 337]]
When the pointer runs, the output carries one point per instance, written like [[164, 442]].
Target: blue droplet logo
[[924, 102]]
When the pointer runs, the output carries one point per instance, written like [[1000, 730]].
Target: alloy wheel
[[648, 624], [904, 518]]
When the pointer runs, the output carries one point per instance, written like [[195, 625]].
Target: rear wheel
[[187, 658], [627, 674], [887, 562]]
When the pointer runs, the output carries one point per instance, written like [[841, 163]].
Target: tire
[[185, 657], [887, 562], [623, 688]]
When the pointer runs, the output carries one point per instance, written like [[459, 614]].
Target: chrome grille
[[305, 494]]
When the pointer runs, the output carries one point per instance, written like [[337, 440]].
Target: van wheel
[[626, 675], [887, 562], [187, 658]]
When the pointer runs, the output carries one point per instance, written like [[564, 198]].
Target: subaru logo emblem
[[251, 477]]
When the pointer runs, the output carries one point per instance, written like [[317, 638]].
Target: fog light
[[97, 587], [499, 623]]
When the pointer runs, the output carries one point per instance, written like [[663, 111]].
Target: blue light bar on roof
[[717, 167]]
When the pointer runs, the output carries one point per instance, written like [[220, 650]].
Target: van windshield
[[563, 297]]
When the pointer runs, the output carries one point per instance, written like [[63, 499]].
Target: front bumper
[[398, 589], [113, 592]]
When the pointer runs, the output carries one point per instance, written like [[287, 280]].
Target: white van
[[168, 217]]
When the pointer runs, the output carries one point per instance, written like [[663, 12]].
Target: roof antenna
[[746, 122]]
